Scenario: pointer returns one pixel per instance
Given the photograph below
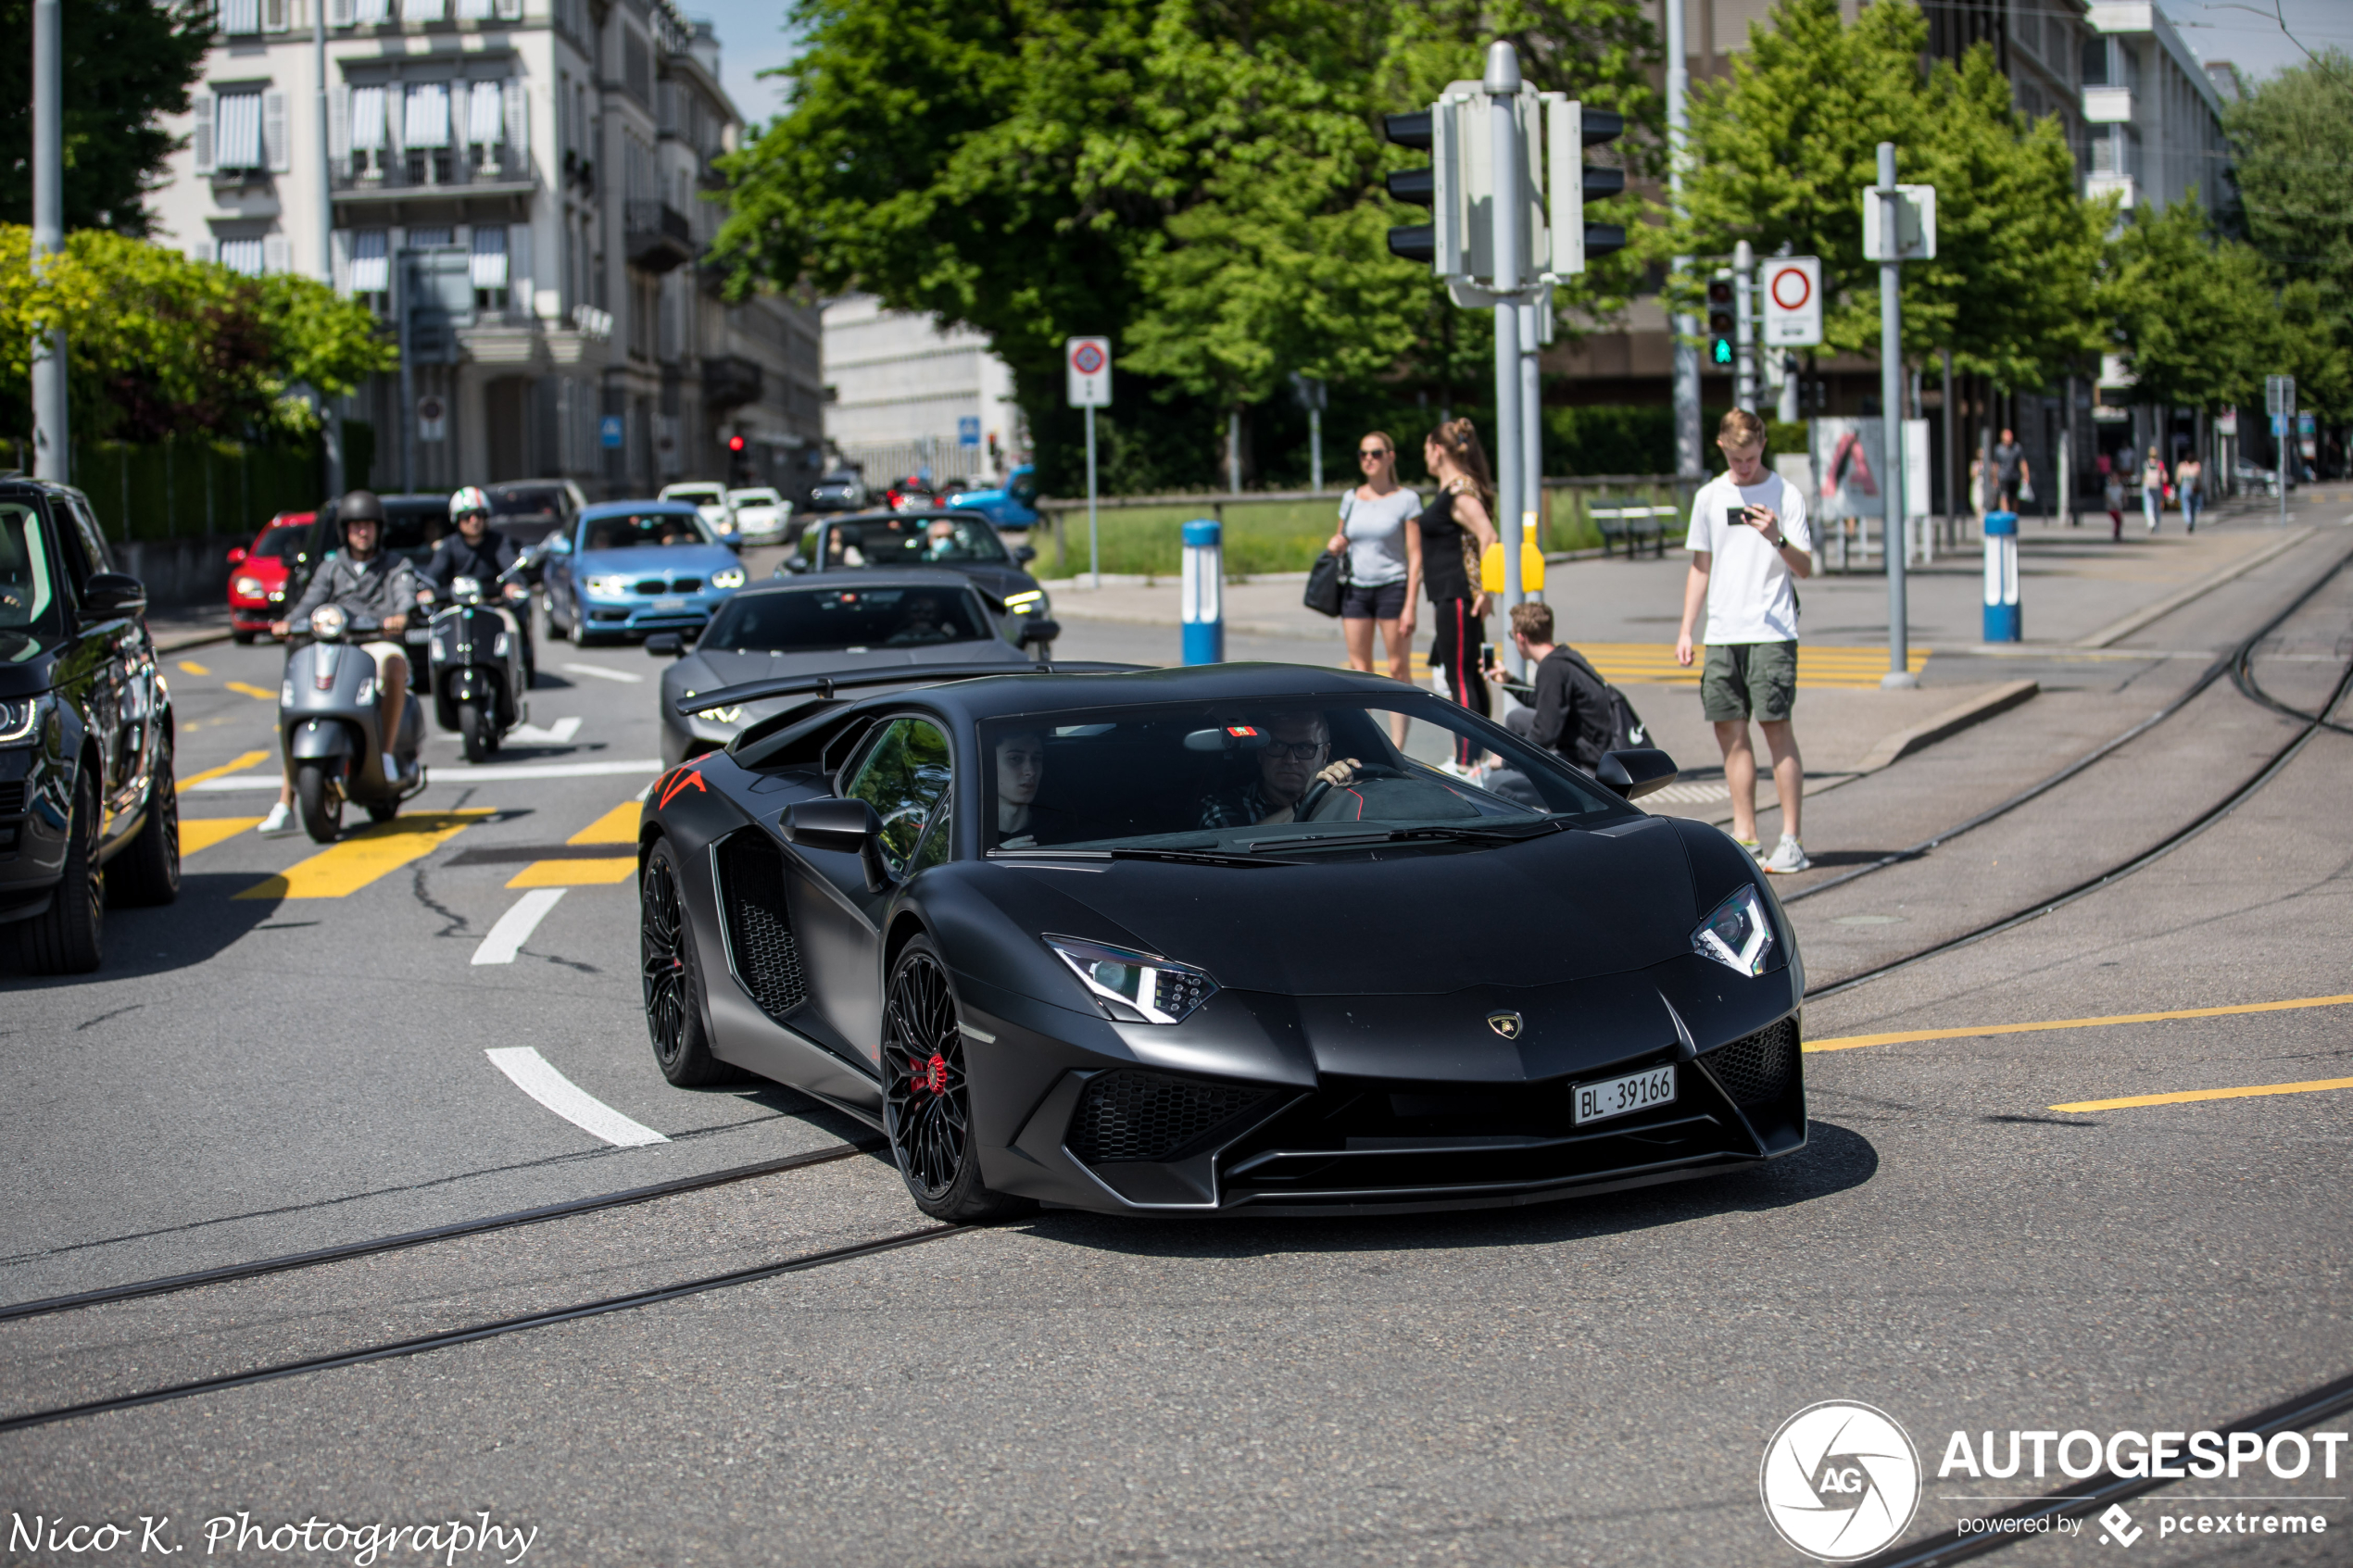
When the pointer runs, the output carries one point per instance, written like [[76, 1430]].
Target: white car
[[763, 516], [711, 500]]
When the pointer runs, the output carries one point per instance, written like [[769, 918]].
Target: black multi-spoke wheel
[[673, 986], [926, 1102]]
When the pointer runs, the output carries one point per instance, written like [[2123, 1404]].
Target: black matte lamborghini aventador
[[1243, 938]]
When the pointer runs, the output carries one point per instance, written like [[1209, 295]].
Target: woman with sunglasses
[[1384, 563], [1457, 531]]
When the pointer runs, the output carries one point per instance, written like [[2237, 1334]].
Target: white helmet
[[467, 498]]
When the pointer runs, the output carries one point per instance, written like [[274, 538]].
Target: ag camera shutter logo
[[1839, 1480]]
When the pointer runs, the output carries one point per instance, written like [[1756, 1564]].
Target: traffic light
[[1435, 244], [1569, 129], [736, 444], [1719, 322]]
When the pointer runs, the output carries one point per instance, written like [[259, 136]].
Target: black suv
[[87, 804]]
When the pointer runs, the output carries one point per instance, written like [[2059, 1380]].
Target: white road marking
[[602, 673], [534, 1077], [444, 773], [557, 733], [514, 928]]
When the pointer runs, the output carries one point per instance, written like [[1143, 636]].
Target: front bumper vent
[[1127, 1115], [760, 938], [1757, 1070]]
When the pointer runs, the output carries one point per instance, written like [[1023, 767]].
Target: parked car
[[1033, 928], [1011, 505], [762, 517], [628, 568], [916, 617], [258, 583], [840, 490], [711, 499], [529, 512], [957, 541], [89, 814]]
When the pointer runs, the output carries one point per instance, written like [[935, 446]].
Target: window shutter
[[203, 138], [200, 251], [510, 10], [273, 253], [339, 122], [275, 15], [274, 133], [519, 266], [339, 260], [339, 13], [518, 109]]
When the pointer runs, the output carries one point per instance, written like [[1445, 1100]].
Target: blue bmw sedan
[[627, 567]]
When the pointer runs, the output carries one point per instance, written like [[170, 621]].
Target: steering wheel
[[1320, 791]]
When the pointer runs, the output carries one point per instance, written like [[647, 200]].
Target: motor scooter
[[481, 664], [329, 717]]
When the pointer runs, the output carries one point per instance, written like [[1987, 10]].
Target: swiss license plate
[[1620, 1096], [670, 604]]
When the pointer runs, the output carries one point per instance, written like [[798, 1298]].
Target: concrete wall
[[181, 572]]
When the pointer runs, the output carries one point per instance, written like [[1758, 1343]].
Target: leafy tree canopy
[[158, 344], [1785, 147], [126, 62], [2191, 317], [2293, 138]]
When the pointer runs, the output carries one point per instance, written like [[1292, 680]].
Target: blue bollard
[[2003, 622], [1203, 610]]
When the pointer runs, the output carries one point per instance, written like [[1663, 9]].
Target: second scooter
[[481, 666]]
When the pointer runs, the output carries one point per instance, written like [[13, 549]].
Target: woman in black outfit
[[1457, 517]]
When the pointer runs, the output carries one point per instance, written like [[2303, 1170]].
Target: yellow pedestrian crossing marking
[[373, 851], [1653, 664], [193, 668], [599, 872], [616, 826], [239, 766], [259, 694], [1904, 1037], [202, 833], [2310, 1086]]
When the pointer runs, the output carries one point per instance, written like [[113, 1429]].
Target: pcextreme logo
[[1839, 1480]]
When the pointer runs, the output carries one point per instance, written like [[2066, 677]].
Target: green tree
[[2293, 139], [2192, 318], [1784, 148], [126, 62]]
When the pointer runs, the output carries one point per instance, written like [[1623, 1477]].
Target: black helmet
[[360, 505]]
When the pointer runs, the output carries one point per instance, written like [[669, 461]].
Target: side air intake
[[1757, 1069], [759, 940], [1127, 1115]]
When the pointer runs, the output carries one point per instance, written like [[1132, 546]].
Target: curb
[[1952, 722], [2172, 602]]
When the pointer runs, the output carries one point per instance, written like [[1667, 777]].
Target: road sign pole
[[1094, 543], [1745, 327], [1501, 83], [1891, 403], [52, 457], [1688, 458]]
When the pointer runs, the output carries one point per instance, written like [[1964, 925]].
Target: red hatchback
[[257, 578]]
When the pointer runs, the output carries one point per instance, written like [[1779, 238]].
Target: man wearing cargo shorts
[[1749, 544]]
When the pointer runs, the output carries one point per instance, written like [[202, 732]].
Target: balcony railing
[[659, 237], [453, 168]]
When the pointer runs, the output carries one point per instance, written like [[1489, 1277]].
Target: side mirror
[[1024, 554], [112, 592], [794, 564], [847, 826], [1038, 630], [560, 545], [1637, 772], [666, 643], [237, 555]]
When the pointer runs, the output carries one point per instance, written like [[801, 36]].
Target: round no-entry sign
[[1086, 358], [1086, 366], [1793, 302], [1791, 288]]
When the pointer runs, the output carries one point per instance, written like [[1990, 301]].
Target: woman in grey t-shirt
[[1384, 559]]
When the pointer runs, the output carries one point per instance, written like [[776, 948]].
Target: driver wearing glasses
[[1289, 763]]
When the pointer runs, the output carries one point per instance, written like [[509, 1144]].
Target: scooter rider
[[369, 585], [481, 552]]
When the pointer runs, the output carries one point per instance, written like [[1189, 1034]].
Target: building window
[[236, 132], [424, 132], [243, 255], [485, 122], [371, 269], [368, 133], [488, 265], [425, 11], [371, 13]]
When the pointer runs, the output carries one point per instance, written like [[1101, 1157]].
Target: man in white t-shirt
[[1749, 544]]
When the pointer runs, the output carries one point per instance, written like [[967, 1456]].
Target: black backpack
[[1626, 731]]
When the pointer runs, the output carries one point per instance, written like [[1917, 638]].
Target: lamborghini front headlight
[[1738, 935]]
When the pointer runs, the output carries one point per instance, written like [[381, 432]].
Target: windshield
[[754, 497], [910, 541], [812, 619], [629, 530], [1272, 776], [282, 543], [700, 496], [28, 582], [526, 500]]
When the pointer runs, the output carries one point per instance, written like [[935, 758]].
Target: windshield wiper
[[1433, 832], [1179, 857]]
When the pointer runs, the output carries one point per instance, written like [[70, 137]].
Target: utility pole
[[52, 455], [330, 418], [1890, 402], [1745, 326], [1531, 424], [1686, 329], [1502, 85]]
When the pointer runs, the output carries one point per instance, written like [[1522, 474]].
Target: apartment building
[[518, 187], [2153, 112], [905, 395]]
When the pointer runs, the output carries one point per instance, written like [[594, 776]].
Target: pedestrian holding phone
[[1749, 544]]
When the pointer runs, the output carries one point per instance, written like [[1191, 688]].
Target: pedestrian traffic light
[[1720, 322], [1437, 245], [736, 444], [1569, 129]]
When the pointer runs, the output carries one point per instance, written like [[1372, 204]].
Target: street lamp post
[[52, 457], [1502, 85], [1890, 402]]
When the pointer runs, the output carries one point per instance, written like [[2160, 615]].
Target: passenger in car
[[1290, 759]]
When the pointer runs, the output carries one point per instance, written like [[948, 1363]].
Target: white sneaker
[[1788, 856], [278, 823]]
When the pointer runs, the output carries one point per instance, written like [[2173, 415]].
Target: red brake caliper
[[930, 1076]]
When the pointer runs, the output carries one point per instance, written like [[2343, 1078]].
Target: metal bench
[[1632, 523]]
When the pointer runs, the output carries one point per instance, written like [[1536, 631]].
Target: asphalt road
[[298, 1055]]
